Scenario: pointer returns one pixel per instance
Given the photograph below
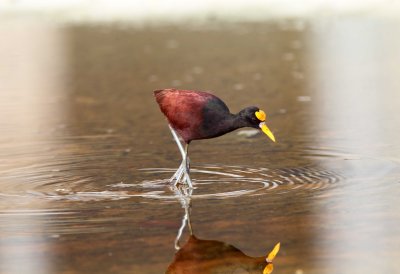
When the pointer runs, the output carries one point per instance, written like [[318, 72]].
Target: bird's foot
[[182, 176], [178, 174], [182, 191]]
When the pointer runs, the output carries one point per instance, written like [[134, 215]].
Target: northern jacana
[[194, 115]]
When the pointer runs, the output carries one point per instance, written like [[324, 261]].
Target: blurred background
[[85, 153], [178, 10]]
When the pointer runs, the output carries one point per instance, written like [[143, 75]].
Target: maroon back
[[183, 109]]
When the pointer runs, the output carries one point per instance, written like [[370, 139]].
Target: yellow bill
[[268, 269], [273, 253], [267, 131]]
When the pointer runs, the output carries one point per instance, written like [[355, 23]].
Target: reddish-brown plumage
[[198, 256], [184, 110]]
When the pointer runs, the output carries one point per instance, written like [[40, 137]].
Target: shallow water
[[86, 153]]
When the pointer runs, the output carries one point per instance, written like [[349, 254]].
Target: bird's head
[[255, 118]]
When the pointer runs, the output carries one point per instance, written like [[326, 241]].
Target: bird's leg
[[178, 173], [187, 167], [187, 162], [183, 169], [178, 142]]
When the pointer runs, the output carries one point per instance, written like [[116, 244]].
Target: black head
[[255, 118], [248, 115]]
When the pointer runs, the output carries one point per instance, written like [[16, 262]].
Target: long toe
[[179, 176], [182, 175], [177, 173], [187, 180]]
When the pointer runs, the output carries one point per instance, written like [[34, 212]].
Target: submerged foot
[[181, 176]]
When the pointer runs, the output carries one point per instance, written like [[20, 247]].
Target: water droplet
[[64, 190], [282, 111], [304, 98]]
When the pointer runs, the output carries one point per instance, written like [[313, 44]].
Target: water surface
[[86, 153]]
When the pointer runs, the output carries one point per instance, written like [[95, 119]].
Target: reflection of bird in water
[[194, 115], [209, 256]]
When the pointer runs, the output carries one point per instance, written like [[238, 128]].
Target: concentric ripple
[[210, 181], [238, 181]]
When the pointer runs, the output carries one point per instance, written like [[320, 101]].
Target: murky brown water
[[85, 151]]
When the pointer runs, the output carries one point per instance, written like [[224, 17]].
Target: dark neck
[[218, 126], [238, 121], [234, 121]]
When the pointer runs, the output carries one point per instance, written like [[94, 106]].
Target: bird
[[211, 256], [195, 115]]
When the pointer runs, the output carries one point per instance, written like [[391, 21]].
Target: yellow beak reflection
[[266, 130], [270, 267]]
